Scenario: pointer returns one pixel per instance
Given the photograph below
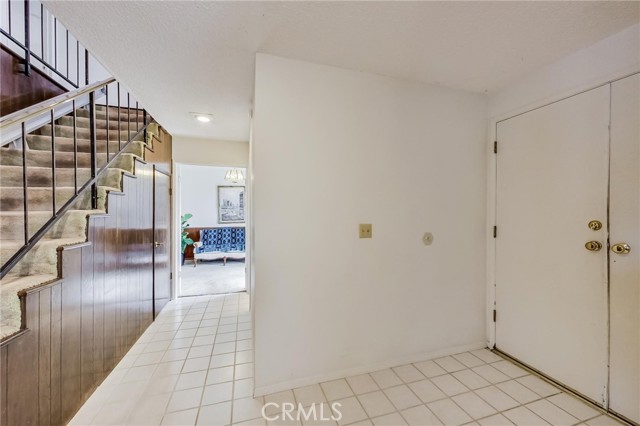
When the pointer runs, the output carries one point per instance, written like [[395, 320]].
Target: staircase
[[49, 189]]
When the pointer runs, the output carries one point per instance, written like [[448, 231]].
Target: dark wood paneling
[[44, 352], [3, 386], [147, 252], [161, 155], [71, 323], [17, 90], [22, 372], [87, 378], [79, 327], [110, 288], [122, 280], [56, 354], [162, 238], [97, 237]]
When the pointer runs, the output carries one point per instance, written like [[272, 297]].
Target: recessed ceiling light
[[202, 117]]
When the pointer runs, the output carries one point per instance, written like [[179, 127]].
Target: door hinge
[[494, 315], [170, 275], [170, 191], [495, 147], [495, 231]]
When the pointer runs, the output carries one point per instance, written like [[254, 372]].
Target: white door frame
[[175, 211], [175, 214]]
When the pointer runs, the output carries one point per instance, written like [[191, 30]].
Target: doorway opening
[[212, 240]]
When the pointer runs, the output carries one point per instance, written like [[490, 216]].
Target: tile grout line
[[231, 308]]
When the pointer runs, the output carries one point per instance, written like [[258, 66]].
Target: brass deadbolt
[[621, 248], [593, 245], [595, 225]]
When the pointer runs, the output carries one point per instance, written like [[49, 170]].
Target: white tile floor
[[194, 365]]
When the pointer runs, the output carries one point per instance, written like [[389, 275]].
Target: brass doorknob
[[593, 245], [621, 248], [595, 225]]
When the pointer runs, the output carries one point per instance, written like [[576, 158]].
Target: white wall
[[611, 58], [333, 148], [199, 193], [210, 152]]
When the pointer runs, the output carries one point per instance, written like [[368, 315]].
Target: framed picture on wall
[[231, 204]]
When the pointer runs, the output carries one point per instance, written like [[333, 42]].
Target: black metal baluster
[[24, 184], [119, 132], [67, 52], [144, 124], [55, 43], [86, 66], [75, 147], [106, 94], [77, 63], [42, 31], [53, 163], [9, 12], [128, 117], [27, 39], [92, 141]]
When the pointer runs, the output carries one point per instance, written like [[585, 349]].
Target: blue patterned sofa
[[219, 243]]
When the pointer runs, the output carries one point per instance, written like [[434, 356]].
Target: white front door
[[625, 229], [551, 291]]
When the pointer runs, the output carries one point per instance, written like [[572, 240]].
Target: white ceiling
[[179, 57]]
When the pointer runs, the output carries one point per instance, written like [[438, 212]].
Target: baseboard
[[310, 380]]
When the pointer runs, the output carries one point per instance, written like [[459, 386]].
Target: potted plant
[[186, 241]]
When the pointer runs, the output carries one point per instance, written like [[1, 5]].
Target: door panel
[[551, 293], [625, 268], [162, 241]]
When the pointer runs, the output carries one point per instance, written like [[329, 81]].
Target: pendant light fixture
[[234, 176]]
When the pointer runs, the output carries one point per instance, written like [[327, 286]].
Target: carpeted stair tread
[[41, 176], [35, 158], [85, 133], [100, 123], [11, 176], [65, 144], [101, 114], [39, 199], [8, 245], [72, 223], [41, 259], [10, 315]]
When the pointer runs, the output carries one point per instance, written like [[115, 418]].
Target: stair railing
[[98, 95], [29, 30]]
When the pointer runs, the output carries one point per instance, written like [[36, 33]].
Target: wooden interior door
[[551, 292], [625, 229], [162, 240]]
